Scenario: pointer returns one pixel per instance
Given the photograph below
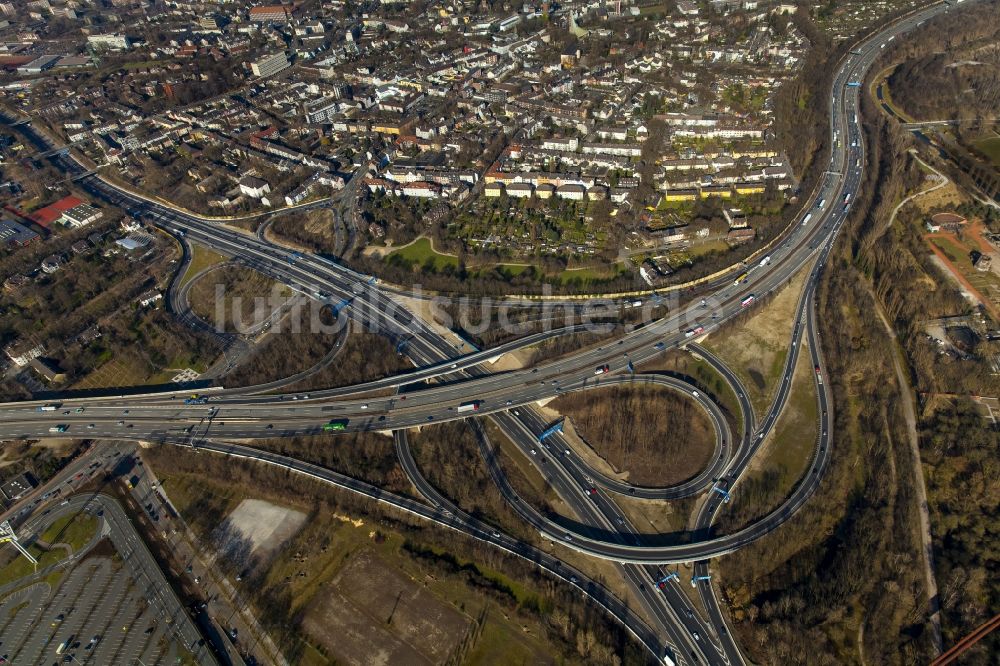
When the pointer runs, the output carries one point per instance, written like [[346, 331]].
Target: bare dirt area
[[263, 526], [756, 347], [373, 615], [658, 436]]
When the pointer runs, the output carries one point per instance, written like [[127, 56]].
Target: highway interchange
[[444, 380]]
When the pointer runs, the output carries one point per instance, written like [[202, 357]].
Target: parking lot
[[104, 605]]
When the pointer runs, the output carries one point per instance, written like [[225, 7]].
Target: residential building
[[149, 297], [254, 187], [52, 263], [21, 353], [48, 370], [270, 65]]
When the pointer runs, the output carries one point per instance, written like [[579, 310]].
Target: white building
[[21, 354], [149, 298], [254, 187], [110, 42], [80, 216]]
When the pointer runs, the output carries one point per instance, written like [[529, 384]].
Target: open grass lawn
[[514, 269], [75, 531], [589, 274], [257, 296], [958, 253], [420, 253], [756, 347], [201, 259], [785, 456], [19, 567], [991, 148]]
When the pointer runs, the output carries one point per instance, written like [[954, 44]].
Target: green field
[[991, 148], [513, 270], [74, 530], [785, 457], [201, 259], [421, 253]]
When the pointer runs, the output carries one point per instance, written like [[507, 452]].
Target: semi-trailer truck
[[49, 408], [471, 406], [740, 279], [747, 301], [805, 220], [765, 261], [847, 198], [59, 428], [336, 424]]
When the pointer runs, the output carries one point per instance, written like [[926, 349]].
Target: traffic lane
[[598, 516], [380, 413], [723, 437], [599, 512], [564, 572]]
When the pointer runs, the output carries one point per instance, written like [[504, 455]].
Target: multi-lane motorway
[[443, 381]]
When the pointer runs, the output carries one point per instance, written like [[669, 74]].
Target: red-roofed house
[[269, 13]]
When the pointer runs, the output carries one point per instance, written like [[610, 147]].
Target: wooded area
[[951, 69], [659, 436]]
